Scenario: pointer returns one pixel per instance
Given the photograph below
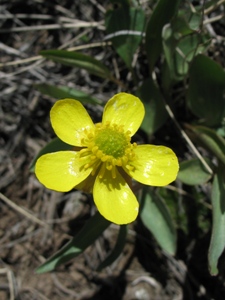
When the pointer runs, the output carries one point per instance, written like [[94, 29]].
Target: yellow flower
[[104, 159]]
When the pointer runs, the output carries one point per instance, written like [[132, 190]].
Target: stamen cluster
[[110, 146]]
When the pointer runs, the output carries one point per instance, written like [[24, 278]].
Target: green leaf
[[76, 59], [192, 172], [155, 112], [121, 240], [60, 92], [55, 145], [206, 90], [162, 14], [210, 139], [156, 217], [180, 45], [88, 234], [125, 19], [217, 243], [193, 19]]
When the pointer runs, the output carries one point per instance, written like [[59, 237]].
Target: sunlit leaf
[[60, 92], [192, 172], [162, 14], [206, 90], [217, 243], [76, 59], [157, 219], [155, 112], [125, 19], [88, 234]]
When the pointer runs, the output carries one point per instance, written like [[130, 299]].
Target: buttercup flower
[[104, 160]]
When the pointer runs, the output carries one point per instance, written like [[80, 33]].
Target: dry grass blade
[[22, 211], [187, 139], [213, 7], [10, 278], [77, 24]]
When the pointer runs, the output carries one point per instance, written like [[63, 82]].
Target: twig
[[22, 211], [214, 19], [20, 61], [87, 46], [123, 32], [98, 5], [11, 288], [187, 139], [38, 62], [9, 274], [79, 24], [34, 17], [10, 50], [21, 239], [213, 7], [38, 57]]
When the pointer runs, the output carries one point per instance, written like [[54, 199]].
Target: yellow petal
[[126, 110], [87, 184], [69, 120], [114, 199], [154, 165], [61, 171]]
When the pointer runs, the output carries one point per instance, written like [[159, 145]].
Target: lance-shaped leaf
[[80, 60], [157, 219], [60, 92], [125, 26], [217, 243], [162, 14], [88, 234]]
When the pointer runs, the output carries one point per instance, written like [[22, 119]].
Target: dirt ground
[[36, 222]]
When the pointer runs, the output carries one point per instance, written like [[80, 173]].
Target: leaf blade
[[217, 242], [205, 95], [162, 14], [128, 19], [192, 172], [156, 217], [87, 235], [155, 112], [210, 139], [61, 92], [80, 60]]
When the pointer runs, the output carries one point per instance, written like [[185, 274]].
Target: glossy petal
[[154, 165], [61, 171], [126, 110], [114, 199], [69, 119]]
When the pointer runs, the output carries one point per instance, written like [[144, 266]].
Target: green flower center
[[111, 142], [110, 146]]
